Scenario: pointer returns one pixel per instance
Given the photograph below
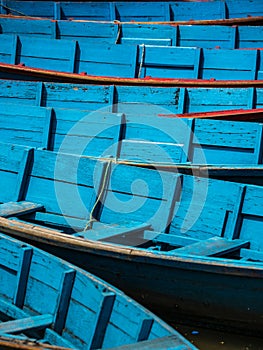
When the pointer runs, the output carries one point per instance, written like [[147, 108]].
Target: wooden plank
[[103, 317], [13, 57], [67, 283], [114, 232], [39, 93], [57, 11], [215, 246], [29, 323], [47, 131], [11, 310], [22, 176], [250, 254], [52, 337], [22, 276], [167, 238], [258, 151], [18, 208], [145, 329]]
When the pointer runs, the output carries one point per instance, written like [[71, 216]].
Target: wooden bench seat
[[215, 246], [25, 324], [170, 239], [115, 233], [18, 208], [250, 254]]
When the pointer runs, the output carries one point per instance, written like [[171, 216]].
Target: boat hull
[[211, 292]]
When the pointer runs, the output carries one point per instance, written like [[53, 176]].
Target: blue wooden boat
[[188, 247], [21, 56], [124, 99], [152, 141], [140, 11], [205, 36], [45, 299]]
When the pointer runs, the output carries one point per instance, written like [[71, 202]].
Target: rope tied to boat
[[91, 220], [142, 60], [12, 10]]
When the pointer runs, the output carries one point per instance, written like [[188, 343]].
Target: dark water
[[205, 339]]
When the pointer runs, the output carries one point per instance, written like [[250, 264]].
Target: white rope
[[142, 60]]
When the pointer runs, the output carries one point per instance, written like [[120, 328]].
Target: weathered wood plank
[[214, 246], [29, 323], [102, 320], [22, 276], [19, 208]]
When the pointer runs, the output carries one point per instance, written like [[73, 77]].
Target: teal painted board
[[24, 27], [242, 8], [208, 36], [229, 64], [131, 61], [150, 140], [205, 36], [152, 202], [185, 11], [69, 292], [112, 60], [166, 62], [249, 37], [130, 99], [148, 34], [212, 140], [143, 11], [92, 32]]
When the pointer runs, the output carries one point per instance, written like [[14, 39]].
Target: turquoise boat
[[139, 11], [73, 60], [185, 246], [46, 300], [101, 32]]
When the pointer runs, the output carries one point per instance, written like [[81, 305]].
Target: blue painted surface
[[205, 36], [129, 99], [131, 61], [197, 208], [141, 11], [54, 307], [153, 140]]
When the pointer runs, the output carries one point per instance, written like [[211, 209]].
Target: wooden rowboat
[[132, 33], [212, 11], [147, 100], [45, 299], [72, 60], [187, 247]]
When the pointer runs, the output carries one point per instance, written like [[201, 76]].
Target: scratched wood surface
[[129, 99], [131, 61], [27, 273], [225, 37], [127, 11], [223, 216], [153, 140], [183, 205]]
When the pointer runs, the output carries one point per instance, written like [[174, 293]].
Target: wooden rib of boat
[[45, 299], [140, 11], [125, 99], [128, 64], [186, 246], [153, 140], [206, 36]]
